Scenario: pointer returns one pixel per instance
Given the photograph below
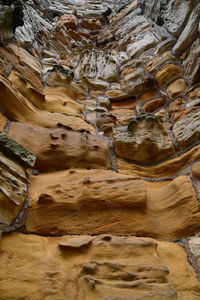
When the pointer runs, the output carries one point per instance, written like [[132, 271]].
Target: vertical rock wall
[[106, 95]]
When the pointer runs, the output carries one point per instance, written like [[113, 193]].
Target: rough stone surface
[[106, 95], [101, 267], [144, 140], [70, 202], [13, 189], [60, 148], [186, 130]]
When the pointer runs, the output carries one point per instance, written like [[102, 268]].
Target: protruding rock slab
[[59, 148], [13, 189], [99, 201], [145, 140], [187, 129], [167, 168], [16, 151], [106, 268]]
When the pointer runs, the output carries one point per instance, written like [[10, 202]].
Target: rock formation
[[99, 150]]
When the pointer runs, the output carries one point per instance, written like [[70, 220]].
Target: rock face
[[144, 139], [99, 120], [13, 179], [100, 267], [71, 202]]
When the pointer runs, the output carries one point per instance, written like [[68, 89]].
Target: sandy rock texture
[[94, 267], [99, 150]]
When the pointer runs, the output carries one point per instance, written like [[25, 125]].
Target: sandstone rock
[[175, 106], [196, 171], [152, 93], [13, 188], [115, 95], [2, 122], [133, 83], [105, 123], [67, 21], [124, 104], [54, 99], [165, 169], [144, 139], [59, 148], [166, 74], [153, 105], [71, 202], [91, 24], [17, 107], [176, 88], [191, 63], [123, 116], [109, 267], [186, 130]]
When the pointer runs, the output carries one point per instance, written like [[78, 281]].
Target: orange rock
[[103, 267], [17, 107], [166, 74], [91, 24], [196, 171], [30, 74], [167, 168], [71, 202], [75, 35], [148, 95], [67, 21], [153, 105], [54, 99], [116, 94], [2, 122], [59, 148], [176, 88], [124, 104]]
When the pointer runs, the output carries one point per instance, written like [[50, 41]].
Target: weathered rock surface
[[100, 268], [13, 189], [13, 180], [144, 139], [70, 202], [170, 167], [186, 130], [59, 148], [106, 95]]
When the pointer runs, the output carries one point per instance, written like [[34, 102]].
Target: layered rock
[[14, 182], [106, 95], [90, 267], [71, 202]]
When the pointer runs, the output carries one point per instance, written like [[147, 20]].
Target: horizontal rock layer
[[90, 267]]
